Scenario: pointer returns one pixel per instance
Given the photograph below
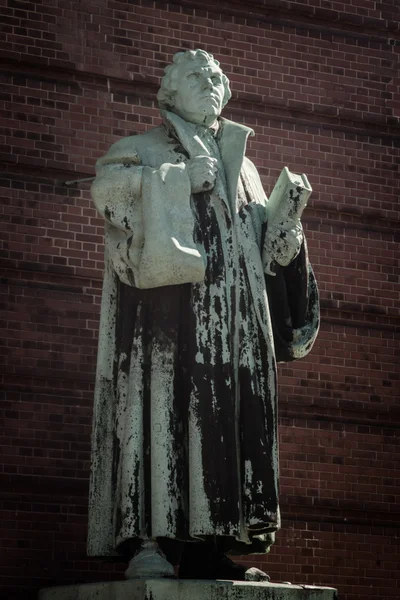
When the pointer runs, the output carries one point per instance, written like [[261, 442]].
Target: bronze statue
[[202, 295]]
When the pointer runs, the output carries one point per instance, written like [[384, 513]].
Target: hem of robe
[[260, 544]]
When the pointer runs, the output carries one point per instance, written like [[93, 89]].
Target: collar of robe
[[232, 140]]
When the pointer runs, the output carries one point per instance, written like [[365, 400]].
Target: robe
[[184, 440]]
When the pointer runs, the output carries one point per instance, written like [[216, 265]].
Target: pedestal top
[[179, 589]]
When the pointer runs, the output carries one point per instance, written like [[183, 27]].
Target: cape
[[185, 414]]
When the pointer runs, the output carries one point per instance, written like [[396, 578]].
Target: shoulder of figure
[[252, 181], [128, 149], [249, 165]]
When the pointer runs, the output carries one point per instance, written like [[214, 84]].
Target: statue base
[[190, 589]]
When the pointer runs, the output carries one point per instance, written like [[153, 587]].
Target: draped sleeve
[[294, 307], [149, 223]]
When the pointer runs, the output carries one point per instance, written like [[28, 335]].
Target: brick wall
[[319, 83]]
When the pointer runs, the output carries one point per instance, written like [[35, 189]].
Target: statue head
[[194, 87]]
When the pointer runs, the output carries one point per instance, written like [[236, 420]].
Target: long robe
[[185, 416]]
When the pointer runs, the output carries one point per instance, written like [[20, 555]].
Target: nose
[[208, 84]]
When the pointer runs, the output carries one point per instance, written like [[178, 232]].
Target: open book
[[285, 206]]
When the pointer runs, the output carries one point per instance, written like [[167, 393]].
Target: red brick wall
[[318, 82]]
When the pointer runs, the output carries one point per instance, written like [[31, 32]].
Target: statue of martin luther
[[192, 325]]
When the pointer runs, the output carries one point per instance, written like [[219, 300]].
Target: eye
[[193, 76], [216, 79]]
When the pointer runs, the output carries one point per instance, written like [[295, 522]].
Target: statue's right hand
[[202, 172]]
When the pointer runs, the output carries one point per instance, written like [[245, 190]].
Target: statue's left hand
[[282, 245]]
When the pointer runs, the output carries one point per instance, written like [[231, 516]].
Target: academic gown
[[185, 416]]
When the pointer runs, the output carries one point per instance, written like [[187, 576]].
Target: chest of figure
[[164, 149], [239, 213]]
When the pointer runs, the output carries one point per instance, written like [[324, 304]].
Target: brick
[[320, 101]]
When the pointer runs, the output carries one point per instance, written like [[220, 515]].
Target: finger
[[268, 271], [210, 171], [212, 162]]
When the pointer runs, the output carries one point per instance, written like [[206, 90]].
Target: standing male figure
[[185, 419]]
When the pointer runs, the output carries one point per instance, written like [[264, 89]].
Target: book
[[285, 207], [289, 197]]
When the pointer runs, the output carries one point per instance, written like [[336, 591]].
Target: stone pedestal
[[172, 589]]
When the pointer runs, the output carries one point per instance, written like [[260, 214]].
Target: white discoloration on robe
[[199, 507]]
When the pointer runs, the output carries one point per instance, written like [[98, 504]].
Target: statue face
[[200, 93]]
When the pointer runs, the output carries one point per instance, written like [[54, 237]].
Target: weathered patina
[[185, 417]]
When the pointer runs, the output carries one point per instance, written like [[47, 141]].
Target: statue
[[193, 320]]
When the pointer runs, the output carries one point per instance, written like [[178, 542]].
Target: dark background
[[319, 83]]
